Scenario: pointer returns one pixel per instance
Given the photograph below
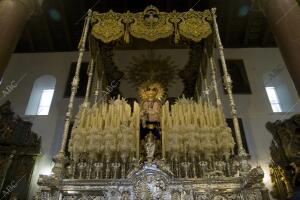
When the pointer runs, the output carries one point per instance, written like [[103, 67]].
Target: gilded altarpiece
[[285, 153], [19, 147]]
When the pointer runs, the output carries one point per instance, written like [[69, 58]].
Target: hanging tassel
[[126, 34], [177, 35]]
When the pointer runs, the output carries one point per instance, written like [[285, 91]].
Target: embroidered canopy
[[151, 25]]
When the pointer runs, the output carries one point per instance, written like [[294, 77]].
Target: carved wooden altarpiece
[[285, 153], [19, 147]]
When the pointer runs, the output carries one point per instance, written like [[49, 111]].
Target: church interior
[[150, 99]]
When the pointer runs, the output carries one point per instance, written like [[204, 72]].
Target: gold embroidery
[[108, 26], [151, 25]]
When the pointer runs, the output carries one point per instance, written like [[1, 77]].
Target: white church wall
[[254, 109], [264, 67], [30, 67]]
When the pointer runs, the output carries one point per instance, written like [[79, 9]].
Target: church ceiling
[[59, 26]]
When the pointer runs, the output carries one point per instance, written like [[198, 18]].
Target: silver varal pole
[[60, 158], [214, 81], [96, 93], [206, 91], [99, 82], [86, 101], [228, 87], [88, 87]]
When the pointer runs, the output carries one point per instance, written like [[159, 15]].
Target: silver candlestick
[[98, 169], [123, 167], [89, 170], [115, 166], [107, 171], [186, 166], [203, 167], [70, 170], [81, 167]]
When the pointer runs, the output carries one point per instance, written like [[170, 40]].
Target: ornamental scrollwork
[[195, 25], [150, 186], [108, 26], [151, 25]]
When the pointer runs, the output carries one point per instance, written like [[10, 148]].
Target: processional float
[[152, 149]]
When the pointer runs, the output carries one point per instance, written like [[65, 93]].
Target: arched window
[[273, 98], [41, 96]]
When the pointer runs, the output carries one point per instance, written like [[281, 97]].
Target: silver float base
[[149, 182]]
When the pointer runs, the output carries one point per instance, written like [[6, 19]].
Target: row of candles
[[105, 127], [183, 112], [189, 112], [195, 126], [212, 140], [187, 125], [106, 115]]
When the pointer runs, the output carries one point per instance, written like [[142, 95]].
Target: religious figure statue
[[150, 115], [150, 147], [151, 94], [159, 188]]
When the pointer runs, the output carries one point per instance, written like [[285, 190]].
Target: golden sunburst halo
[[143, 87]]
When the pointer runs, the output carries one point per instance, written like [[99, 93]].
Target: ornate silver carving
[[151, 182], [150, 147]]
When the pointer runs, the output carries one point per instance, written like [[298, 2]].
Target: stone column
[[284, 19], [13, 17]]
